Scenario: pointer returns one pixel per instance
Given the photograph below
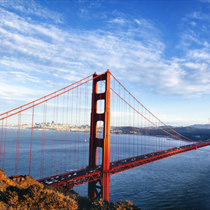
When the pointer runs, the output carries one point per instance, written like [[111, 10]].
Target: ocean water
[[178, 182]]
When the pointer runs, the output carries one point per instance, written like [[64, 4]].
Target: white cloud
[[32, 8], [177, 120], [18, 92], [200, 54], [199, 15], [69, 77], [138, 21], [199, 66], [193, 23], [49, 54], [23, 77], [118, 20], [145, 23]]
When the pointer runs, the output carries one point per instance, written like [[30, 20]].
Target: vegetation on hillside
[[193, 133], [27, 193]]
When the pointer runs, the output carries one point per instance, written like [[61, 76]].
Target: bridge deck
[[75, 178]]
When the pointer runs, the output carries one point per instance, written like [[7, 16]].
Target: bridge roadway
[[75, 178]]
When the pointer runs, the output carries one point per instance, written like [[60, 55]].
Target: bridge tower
[[95, 142]]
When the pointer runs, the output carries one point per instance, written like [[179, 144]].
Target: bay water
[[178, 182]]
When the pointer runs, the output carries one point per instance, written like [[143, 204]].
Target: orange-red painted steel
[[2, 126], [148, 110], [41, 101], [151, 121], [20, 107], [17, 144], [93, 176], [32, 125], [92, 173], [95, 142], [144, 161], [5, 134]]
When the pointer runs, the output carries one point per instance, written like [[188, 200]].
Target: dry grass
[[30, 194]]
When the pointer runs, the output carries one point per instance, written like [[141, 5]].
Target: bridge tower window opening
[[100, 129], [101, 86], [99, 156], [99, 136], [100, 106]]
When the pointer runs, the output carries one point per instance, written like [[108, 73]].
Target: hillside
[[26, 193], [191, 132]]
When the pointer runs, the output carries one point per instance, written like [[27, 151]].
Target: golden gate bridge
[[98, 129]]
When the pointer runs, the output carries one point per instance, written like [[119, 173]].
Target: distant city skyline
[[159, 50]]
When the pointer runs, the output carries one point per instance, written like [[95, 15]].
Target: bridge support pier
[[105, 186], [92, 190], [100, 188], [95, 142]]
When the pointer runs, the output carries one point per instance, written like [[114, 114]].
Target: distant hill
[[194, 133], [201, 126]]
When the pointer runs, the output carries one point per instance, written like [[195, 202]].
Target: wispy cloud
[[18, 92], [44, 53], [32, 8], [199, 15], [120, 21]]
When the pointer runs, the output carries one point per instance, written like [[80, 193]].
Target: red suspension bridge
[[84, 133]]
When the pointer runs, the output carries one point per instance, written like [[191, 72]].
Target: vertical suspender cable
[[112, 121], [133, 126], [129, 127], [117, 124], [119, 127], [156, 135], [41, 161], [145, 125], [17, 144], [79, 125], [43, 139], [62, 134], [5, 137], [84, 126], [56, 133], [141, 131], [53, 124], [88, 114], [67, 115], [138, 133], [75, 149], [32, 126], [121, 139], [61, 158], [71, 139], [124, 149], [2, 130], [160, 147]]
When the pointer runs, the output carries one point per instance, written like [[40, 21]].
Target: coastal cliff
[[26, 193]]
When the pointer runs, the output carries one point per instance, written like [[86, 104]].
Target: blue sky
[[159, 50]]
